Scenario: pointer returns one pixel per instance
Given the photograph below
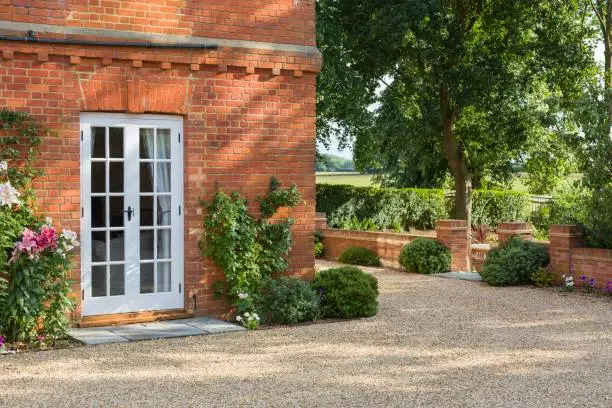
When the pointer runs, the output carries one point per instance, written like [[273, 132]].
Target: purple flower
[[1, 340], [592, 282], [40, 338], [583, 278]]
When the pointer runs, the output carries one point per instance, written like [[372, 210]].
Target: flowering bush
[[568, 283], [249, 320], [34, 286]]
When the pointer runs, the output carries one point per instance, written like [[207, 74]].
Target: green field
[[355, 179]]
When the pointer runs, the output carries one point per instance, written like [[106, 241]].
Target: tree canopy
[[473, 87]]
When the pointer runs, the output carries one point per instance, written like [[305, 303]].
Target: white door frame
[[132, 300]]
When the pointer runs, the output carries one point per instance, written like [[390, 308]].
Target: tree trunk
[[456, 160]]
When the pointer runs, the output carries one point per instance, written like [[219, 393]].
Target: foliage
[[19, 141], [495, 207], [514, 262], [564, 209], [469, 87], [319, 247], [277, 198], [356, 255], [542, 278], [35, 258], [332, 163], [288, 300], [371, 208], [347, 292], [598, 219], [375, 208], [479, 234], [425, 255], [247, 249]]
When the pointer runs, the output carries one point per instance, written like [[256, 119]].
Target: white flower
[[256, 316], [70, 237], [238, 318], [243, 296], [3, 166], [48, 221], [8, 194], [247, 314]]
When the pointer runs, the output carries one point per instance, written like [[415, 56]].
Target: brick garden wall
[[249, 113], [568, 255], [388, 245]]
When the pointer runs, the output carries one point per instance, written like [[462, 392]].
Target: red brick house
[[153, 105]]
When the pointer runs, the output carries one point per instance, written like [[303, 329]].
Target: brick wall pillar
[[455, 235], [562, 239], [510, 229], [320, 221]]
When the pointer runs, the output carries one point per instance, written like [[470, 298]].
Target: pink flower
[[47, 238]]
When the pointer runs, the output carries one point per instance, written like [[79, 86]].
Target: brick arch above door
[[134, 93]]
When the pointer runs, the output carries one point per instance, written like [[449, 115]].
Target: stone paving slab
[[469, 276], [155, 330]]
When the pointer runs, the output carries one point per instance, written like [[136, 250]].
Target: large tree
[[471, 83]]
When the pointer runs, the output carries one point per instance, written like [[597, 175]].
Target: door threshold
[[133, 317]]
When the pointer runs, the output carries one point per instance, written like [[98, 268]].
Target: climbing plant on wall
[[246, 248]]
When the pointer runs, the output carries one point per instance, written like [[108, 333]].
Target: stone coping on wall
[[376, 235]]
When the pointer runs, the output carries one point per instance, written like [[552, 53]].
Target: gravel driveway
[[435, 343]]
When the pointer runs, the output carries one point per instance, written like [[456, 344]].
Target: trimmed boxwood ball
[[425, 255], [359, 256], [347, 292], [514, 262], [288, 300]]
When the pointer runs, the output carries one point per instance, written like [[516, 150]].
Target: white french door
[[132, 221]]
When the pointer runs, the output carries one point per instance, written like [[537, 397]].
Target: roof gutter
[[31, 38]]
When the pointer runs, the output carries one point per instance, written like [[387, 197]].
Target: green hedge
[[494, 207], [370, 208]]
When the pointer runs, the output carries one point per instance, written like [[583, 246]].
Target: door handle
[[130, 212]]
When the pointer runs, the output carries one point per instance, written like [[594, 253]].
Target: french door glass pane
[[115, 142], [98, 281], [115, 177], [146, 244], [163, 177], [98, 142], [163, 244], [98, 177], [163, 210], [163, 144], [116, 211], [98, 212], [98, 246], [117, 280], [147, 278], [164, 273], [147, 143], [117, 246], [146, 177], [146, 211]]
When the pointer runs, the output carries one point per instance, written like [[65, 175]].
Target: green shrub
[[288, 300], [514, 262], [425, 255], [494, 207], [347, 292], [319, 247], [542, 278], [359, 256]]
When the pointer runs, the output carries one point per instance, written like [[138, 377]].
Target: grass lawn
[[355, 179]]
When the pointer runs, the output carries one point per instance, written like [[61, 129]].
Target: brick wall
[[568, 255], [279, 21], [388, 245], [248, 115]]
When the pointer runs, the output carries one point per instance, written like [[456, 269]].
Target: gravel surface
[[435, 343]]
